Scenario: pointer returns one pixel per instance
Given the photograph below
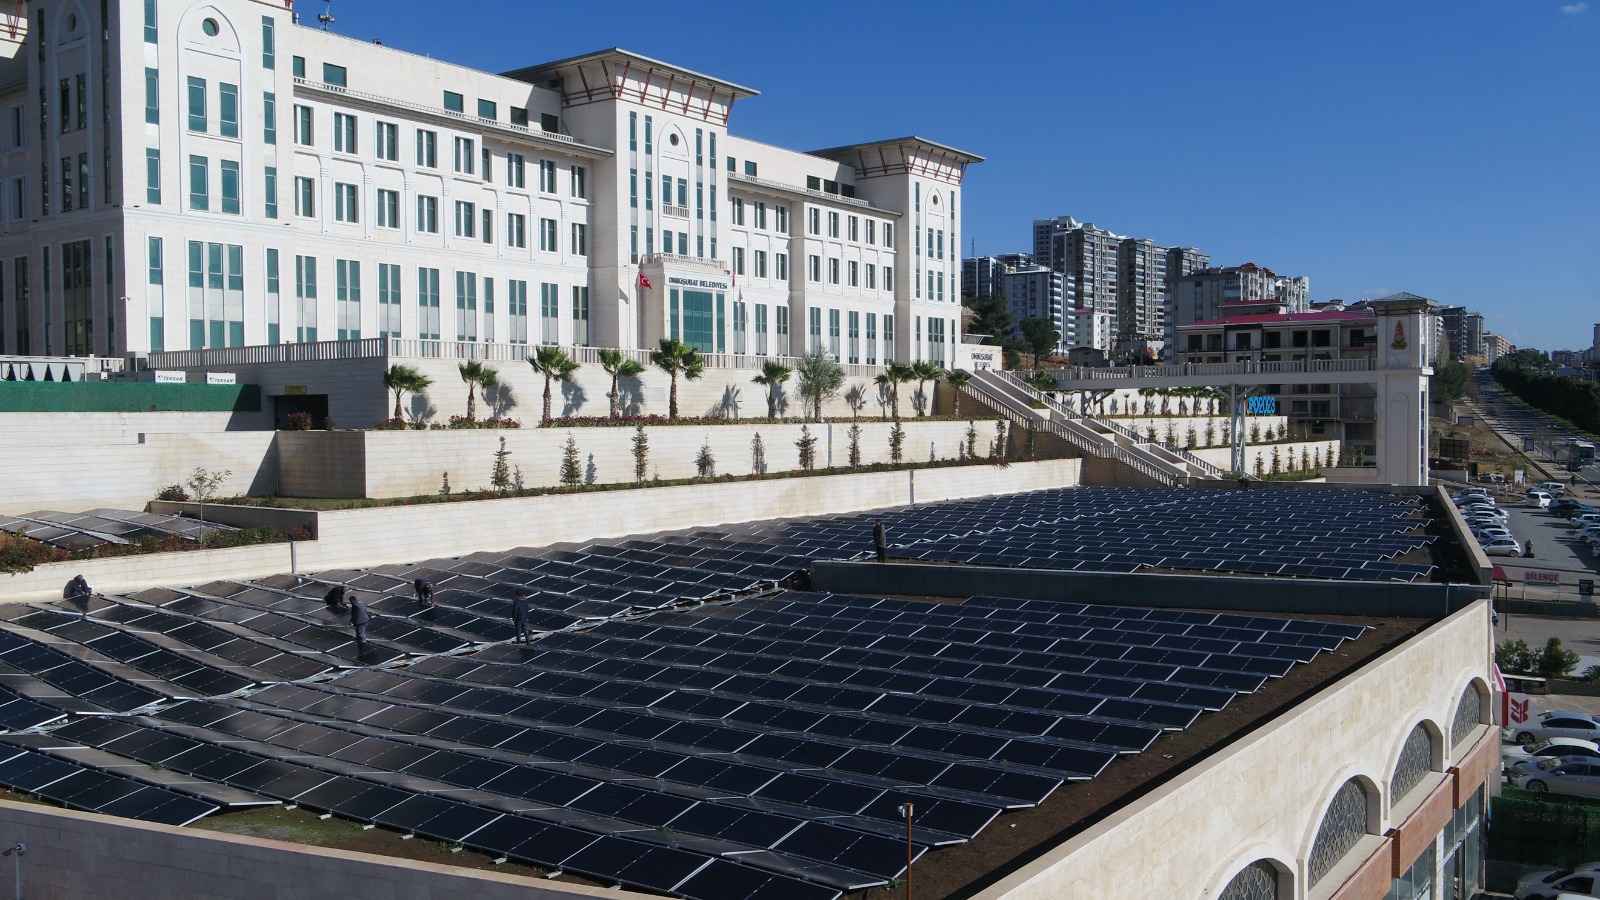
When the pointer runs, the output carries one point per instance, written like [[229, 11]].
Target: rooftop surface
[[682, 722]]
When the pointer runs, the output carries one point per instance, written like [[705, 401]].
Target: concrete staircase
[[1028, 407]]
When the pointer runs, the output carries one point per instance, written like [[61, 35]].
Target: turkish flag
[[644, 282]]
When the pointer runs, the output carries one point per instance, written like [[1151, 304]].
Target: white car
[[1472, 495], [1502, 547], [1480, 509], [1515, 754], [1538, 499], [1491, 533], [1553, 488], [1481, 519], [1551, 883], [1582, 519], [1554, 723], [1588, 531]]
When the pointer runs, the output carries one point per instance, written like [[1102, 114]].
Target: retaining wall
[[369, 537]]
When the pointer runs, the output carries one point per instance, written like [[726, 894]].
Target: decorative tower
[[1405, 354]]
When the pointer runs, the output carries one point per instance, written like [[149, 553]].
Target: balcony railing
[[1082, 373]]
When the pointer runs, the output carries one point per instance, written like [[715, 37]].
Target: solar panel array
[[682, 724], [77, 531]]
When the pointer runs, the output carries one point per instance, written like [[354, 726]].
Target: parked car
[[1555, 723], [1479, 510], [1587, 532], [1490, 533], [1550, 884], [1502, 547], [1553, 488], [1582, 519], [1488, 526], [1560, 776], [1568, 506], [1516, 754], [1492, 478], [1538, 499]]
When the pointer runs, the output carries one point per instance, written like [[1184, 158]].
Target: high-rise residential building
[[1089, 256], [1141, 290], [980, 275], [1463, 331], [284, 184], [1206, 294], [1495, 346], [1035, 292]]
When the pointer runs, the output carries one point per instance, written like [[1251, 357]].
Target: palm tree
[[555, 365], [820, 379], [618, 367], [924, 372], [894, 374], [677, 358], [773, 374], [477, 376], [404, 380], [957, 380]]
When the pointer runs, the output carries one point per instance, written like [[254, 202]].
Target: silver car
[[1555, 723], [1558, 775]]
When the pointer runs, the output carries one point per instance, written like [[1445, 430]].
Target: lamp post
[[905, 811], [16, 869]]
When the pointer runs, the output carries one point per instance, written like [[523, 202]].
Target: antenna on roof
[[326, 16]]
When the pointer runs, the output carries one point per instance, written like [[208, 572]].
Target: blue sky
[[1447, 149]]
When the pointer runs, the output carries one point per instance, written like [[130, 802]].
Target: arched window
[[1257, 881], [1468, 715], [1342, 826], [1416, 761]]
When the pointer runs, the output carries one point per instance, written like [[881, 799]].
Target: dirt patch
[[1017, 838]]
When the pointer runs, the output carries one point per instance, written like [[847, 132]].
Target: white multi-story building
[[181, 176]]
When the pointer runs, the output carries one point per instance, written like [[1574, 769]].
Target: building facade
[[1203, 294], [981, 275], [185, 176], [1141, 290], [1036, 292]]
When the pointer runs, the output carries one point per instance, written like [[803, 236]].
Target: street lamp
[[16, 869], [905, 811]]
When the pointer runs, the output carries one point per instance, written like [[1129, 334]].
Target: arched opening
[[1469, 714], [1261, 880], [1342, 826], [1415, 762]]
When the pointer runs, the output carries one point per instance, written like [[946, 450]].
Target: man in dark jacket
[[880, 540], [78, 588], [358, 620], [336, 598], [521, 608]]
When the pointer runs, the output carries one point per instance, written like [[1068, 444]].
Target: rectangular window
[[814, 221], [633, 131], [427, 149], [152, 96], [388, 208], [517, 303], [516, 230], [297, 66], [888, 234], [549, 313], [386, 141], [649, 123], [761, 329], [272, 192], [66, 184], [833, 224], [780, 329], [738, 210], [347, 298], [152, 177], [872, 231], [228, 109], [305, 292], [780, 219], [454, 102], [155, 274], [488, 226], [150, 21], [83, 181], [344, 133], [516, 170], [487, 109], [872, 339], [738, 260], [761, 215], [274, 310], [199, 187], [269, 43], [346, 203], [853, 232], [580, 186], [854, 274], [428, 215], [780, 266], [230, 187], [855, 338], [428, 304], [197, 104], [305, 197], [872, 277], [464, 155], [547, 176], [269, 118], [750, 168], [334, 75], [388, 300], [760, 260], [814, 273], [815, 331], [888, 278], [547, 235], [466, 217], [833, 271], [304, 130], [580, 243], [580, 316]]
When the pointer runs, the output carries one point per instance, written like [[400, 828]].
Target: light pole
[[16, 869], [905, 810]]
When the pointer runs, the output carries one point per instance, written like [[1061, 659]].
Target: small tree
[[1255, 432], [1515, 657], [500, 475], [618, 367], [705, 463], [1316, 458], [1305, 458], [1150, 432], [957, 379], [444, 486], [554, 364], [677, 358], [477, 377], [1040, 336], [203, 484], [807, 445], [404, 380], [925, 372], [894, 374], [1000, 439], [1211, 433], [1190, 438], [758, 455], [773, 375], [855, 445], [897, 442], [1277, 461], [972, 440], [516, 478], [1555, 661], [1172, 433], [820, 378], [641, 454], [571, 468], [1261, 466]]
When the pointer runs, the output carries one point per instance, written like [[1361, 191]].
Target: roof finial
[[326, 16]]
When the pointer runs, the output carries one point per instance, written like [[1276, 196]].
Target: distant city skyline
[[1373, 147]]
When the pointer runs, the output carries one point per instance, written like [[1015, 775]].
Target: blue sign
[[1264, 406]]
